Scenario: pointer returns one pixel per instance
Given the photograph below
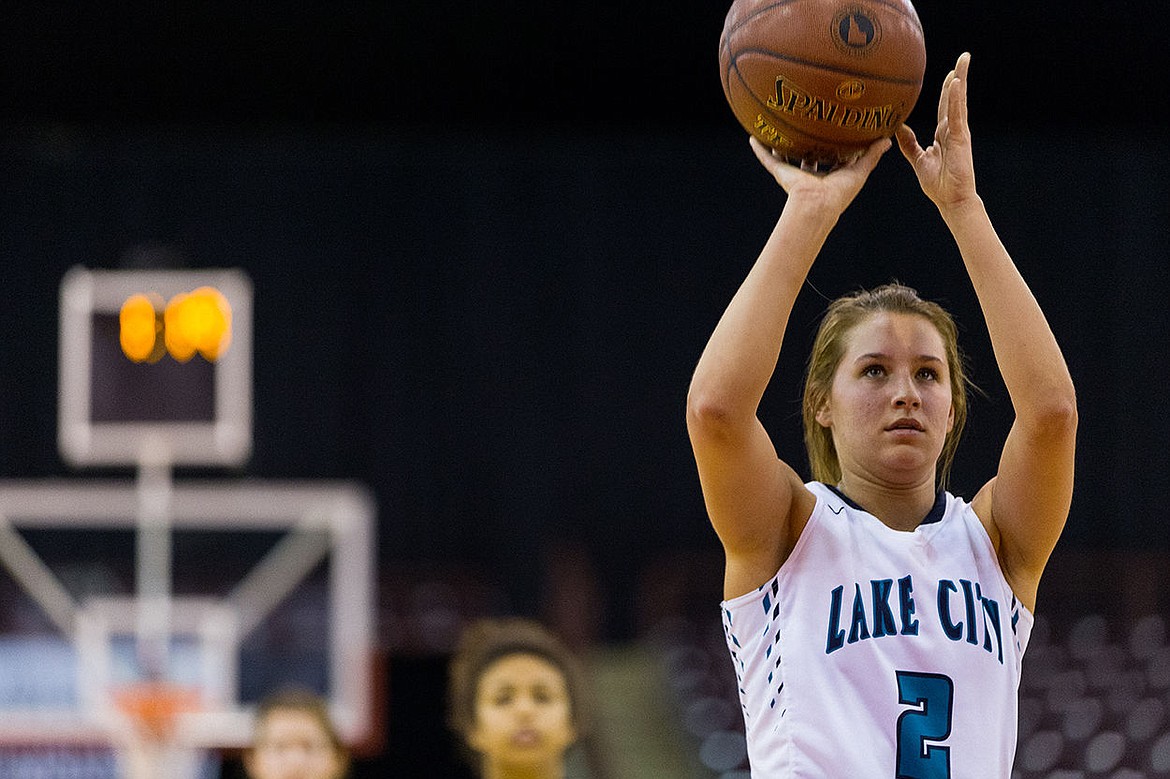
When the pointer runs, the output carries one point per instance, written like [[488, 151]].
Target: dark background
[[489, 241], [466, 66]]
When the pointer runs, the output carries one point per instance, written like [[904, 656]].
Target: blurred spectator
[[518, 699], [295, 739]]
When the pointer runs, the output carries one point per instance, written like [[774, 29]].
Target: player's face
[[291, 744], [523, 716], [890, 405]]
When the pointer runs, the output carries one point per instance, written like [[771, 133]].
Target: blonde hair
[[843, 315], [304, 701]]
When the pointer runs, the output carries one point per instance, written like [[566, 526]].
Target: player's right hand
[[835, 189]]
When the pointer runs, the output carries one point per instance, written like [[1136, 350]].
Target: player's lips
[[526, 737], [906, 424]]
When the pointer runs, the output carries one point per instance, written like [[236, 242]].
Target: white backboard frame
[[335, 519]]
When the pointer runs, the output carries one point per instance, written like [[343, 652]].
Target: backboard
[[273, 586]]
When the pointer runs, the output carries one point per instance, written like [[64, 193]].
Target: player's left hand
[[945, 169]]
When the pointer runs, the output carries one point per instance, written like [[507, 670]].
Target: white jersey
[[879, 653]]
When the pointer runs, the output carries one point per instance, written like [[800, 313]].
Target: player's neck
[[901, 507]]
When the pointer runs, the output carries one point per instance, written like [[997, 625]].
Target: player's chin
[[910, 458]]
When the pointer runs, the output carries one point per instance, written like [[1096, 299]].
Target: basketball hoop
[[153, 706], [152, 746]]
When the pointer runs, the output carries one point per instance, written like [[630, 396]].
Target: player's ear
[[825, 415], [475, 738]]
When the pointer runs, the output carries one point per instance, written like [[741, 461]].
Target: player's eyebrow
[[884, 356]]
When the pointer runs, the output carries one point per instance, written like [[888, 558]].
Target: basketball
[[820, 80]]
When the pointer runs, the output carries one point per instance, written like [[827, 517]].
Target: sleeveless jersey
[[879, 653]]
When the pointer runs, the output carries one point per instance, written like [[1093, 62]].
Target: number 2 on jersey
[[933, 694]]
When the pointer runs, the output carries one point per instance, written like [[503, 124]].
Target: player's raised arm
[[1026, 504], [749, 492]]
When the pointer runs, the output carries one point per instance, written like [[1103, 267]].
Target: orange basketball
[[819, 80]]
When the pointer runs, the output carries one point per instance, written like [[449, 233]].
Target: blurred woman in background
[[295, 739], [517, 698]]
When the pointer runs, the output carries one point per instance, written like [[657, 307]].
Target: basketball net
[[146, 743]]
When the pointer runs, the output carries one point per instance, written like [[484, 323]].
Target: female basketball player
[[517, 699], [876, 622], [295, 739]]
